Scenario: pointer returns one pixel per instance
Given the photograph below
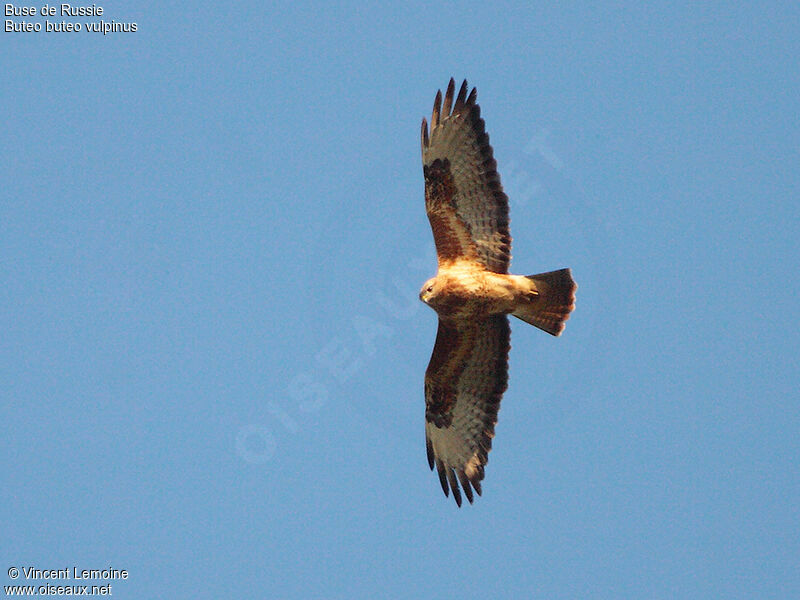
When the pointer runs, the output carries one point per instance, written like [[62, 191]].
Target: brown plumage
[[473, 292]]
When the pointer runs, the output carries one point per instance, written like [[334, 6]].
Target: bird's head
[[428, 291]]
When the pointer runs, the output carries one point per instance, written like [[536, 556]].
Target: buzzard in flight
[[473, 292]]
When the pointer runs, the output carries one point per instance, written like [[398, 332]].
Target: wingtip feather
[[451, 478], [442, 477], [448, 98], [462, 96], [465, 485], [437, 108], [473, 96]]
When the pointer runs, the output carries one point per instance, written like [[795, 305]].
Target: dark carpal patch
[[440, 399], [439, 186]]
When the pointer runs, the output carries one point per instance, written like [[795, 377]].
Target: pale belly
[[480, 294]]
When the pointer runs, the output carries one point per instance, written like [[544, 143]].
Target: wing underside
[[464, 199], [464, 383]]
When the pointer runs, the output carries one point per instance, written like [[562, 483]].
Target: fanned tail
[[550, 307]]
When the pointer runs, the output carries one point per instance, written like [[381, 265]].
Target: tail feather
[[550, 307]]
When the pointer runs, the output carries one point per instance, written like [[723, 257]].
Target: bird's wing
[[464, 383], [466, 206]]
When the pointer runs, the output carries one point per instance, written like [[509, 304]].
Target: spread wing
[[464, 384], [466, 206]]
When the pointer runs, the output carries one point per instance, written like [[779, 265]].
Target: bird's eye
[[430, 288]]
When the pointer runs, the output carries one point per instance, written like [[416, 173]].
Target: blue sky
[[213, 235]]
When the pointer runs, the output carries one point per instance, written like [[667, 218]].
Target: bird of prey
[[473, 292]]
